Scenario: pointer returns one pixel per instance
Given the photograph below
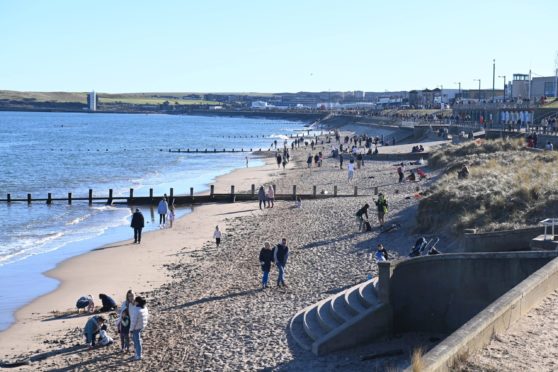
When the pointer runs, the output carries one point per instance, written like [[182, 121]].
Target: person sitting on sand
[[92, 329], [108, 303], [422, 174], [104, 338], [360, 216], [411, 177], [266, 257], [381, 254], [463, 173], [85, 302]]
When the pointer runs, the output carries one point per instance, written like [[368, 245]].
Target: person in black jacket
[[266, 257], [360, 216], [280, 256], [108, 303], [137, 224]]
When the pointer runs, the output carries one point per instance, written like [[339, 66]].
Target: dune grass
[[508, 187]]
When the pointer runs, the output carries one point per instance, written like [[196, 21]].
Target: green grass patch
[[508, 187]]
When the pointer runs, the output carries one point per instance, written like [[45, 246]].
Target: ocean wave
[[279, 136]]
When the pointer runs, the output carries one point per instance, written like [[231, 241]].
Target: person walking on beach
[[309, 160], [382, 206], [247, 162], [92, 329], [280, 256], [217, 236], [266, 257], [270, 197], [351, 170], [170, 216], [162, 209], [138, 321], [340, 161], [279, 160], [137, 224], [400, 173], [261, 196]]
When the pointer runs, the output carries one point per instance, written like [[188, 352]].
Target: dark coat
[[280, 254], [137, 220], [266, 257], [108, 302]]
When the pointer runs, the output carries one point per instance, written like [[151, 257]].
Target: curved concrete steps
[[326, 318]]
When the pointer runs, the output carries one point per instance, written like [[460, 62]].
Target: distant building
[[520, 86], [543, 87], [259, 105], [92, 101]]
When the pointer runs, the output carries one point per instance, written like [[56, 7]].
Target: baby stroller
[[423, 247]]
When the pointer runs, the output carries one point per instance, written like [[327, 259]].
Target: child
[[217, 236], [104, 338], [171, 217], [124, 330]]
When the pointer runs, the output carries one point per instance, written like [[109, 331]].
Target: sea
[[58, 153]]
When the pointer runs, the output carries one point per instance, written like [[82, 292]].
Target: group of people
[[278, 255], [166, 213], [362, 214], [412, 177], [266, 198], [418, 148], [132, 319]]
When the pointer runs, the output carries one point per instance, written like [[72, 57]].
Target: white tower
[[92, 101]]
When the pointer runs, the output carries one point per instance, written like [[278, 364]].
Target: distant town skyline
[[221, 46]]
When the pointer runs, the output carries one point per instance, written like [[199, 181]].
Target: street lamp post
[[504, 76], [493, 79], [479, 80]]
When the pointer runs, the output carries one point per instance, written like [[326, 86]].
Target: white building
[[260, 105], [92, 101]]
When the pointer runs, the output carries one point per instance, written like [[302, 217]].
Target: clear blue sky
[[271, 46]]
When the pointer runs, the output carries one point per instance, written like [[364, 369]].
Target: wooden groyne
[[215, 151], [151, 199]]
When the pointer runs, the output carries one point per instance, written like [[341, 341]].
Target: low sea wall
[[500, 241], [498, 317], [440, 293]]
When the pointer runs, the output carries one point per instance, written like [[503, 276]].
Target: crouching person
[[92, 329]]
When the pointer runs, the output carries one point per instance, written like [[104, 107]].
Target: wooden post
[[356, 191], [192, 193], [376, 190], [314, 191], [335, 190], [69, 198], [211, 190], [151, 195], [9, 197], [109, 201], [232, 189], [131, 194], [253, 190], [28, 198], [294, 192], [171, 198], [274, 189], [90, 197], [233, 197], [49, 198]]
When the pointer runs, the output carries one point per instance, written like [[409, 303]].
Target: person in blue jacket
[[92, 329]]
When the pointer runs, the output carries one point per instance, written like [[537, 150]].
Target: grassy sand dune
[[508, 187]]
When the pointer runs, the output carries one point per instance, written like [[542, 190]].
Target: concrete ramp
[[348, 318]]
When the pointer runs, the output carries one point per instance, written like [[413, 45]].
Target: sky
[[272, 46]]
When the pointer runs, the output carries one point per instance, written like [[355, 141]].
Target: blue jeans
[[136, 336], [280, 278], [265, 277]]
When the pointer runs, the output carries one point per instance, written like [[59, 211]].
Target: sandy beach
[[207, 308]]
